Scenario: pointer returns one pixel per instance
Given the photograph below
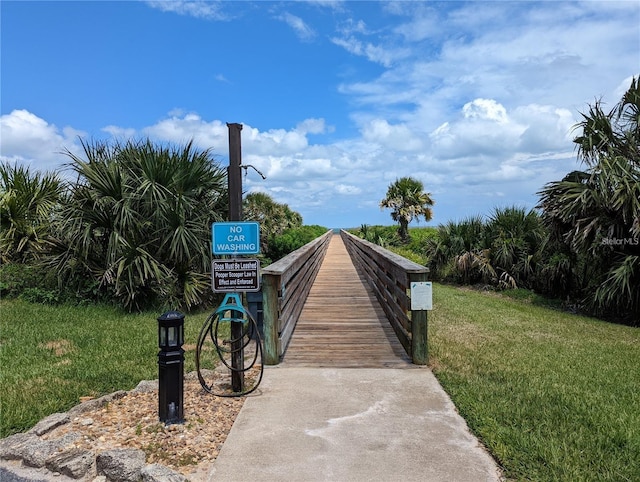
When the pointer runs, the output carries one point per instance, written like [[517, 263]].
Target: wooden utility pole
[[234, 176]]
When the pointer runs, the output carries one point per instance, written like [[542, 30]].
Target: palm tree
[[380, 235], [27, 202], [458, 252], [408, 201], [597, 211], [274, 218], [138, 222], [517, 237], [504, 251]]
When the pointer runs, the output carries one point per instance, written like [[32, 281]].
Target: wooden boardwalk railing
[[342, 324]]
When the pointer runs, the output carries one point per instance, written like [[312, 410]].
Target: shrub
[[137, 223], [16, 278], [292, 239]]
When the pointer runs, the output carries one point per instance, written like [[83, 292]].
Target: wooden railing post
[[270, 313], [419, 328]]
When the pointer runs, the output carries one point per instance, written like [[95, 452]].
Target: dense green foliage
[[408, 201], [292, 239], [137, 222], [552, 395], [384, 236], [503, 251], [133, 228], [387, 236], [29, 282], [27, 200], [594, 215], [274, 219], [281, 229]]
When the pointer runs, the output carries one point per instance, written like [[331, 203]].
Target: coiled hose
[[230, 347]]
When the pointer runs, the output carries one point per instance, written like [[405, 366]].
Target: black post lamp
[[171, 367]]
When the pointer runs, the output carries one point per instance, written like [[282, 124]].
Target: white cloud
[[29, 138], [332, 4], [352, 175], [622, 88], [183, 128], [486, 129], [348, 189], [385, 56], [351, 26], [487, 109], [274, 141], [504, 172], [302, 30], [209, 9], [548, 128], [313, 126], [396, 137], [120, 133], [221, 78], [425, 23], [291, 168], [530, 54]]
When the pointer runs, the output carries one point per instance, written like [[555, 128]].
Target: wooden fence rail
[[285, 286], [390, 276]]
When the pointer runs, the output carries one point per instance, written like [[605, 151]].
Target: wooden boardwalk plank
[[342, 323]]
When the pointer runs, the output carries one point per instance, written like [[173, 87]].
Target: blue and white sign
[[240, 237]]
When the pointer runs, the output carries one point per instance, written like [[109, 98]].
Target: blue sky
[[337, 98]]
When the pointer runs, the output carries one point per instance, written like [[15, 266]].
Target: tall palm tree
[[597, 211], [408, 201], [274, 217], [27, 202], [138, 221]]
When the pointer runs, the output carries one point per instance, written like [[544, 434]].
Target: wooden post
[[419, 324], [270, 286], [234, 177]]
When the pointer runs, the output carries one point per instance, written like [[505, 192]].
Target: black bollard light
[[171, 367]]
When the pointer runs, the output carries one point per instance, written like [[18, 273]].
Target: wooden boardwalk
[[342, 323]]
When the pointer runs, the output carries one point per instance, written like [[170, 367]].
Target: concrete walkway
[[342, 424]]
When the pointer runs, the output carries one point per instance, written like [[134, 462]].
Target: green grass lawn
[[554, 396], [52, 355]]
